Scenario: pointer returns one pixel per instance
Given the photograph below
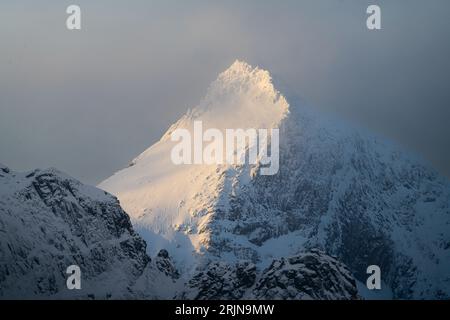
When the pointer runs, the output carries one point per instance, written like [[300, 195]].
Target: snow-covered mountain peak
[[182, 201], [245, 89], [351, 195], [239, 66], [243, 75], [241, 97]]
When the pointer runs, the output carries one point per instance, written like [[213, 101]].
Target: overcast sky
[[89, 101]]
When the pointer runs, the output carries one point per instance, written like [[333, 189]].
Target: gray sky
[[88, 101]]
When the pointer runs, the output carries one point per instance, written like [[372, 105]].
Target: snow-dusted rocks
[[165, 265], [310, 275], [49, 221], [219, 280], [4, 169], [352, 195]]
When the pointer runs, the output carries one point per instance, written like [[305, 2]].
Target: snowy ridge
[[163, 199], [49, 221], [353, 196]]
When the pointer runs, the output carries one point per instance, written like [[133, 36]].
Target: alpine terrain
[[341, 201], [49, 221]]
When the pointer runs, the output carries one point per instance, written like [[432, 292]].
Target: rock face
[[352, 195], [310, 275], [49, 221], [220, 280], [165, 264]]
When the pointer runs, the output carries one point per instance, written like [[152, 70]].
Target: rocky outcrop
[[220, 280], [165, 264], [310, 275]]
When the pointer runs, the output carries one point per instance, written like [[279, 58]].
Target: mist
[[87, 102]]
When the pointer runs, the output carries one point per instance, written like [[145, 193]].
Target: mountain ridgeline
[[341, 201], [50, 221]]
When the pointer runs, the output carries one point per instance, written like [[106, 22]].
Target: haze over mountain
[[349, 194], [139, 66]]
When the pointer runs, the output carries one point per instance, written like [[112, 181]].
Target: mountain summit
[[177, 209], [241, 97], [352, 196]]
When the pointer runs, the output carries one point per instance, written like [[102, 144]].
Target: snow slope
[[171, 205], [348, 193]]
